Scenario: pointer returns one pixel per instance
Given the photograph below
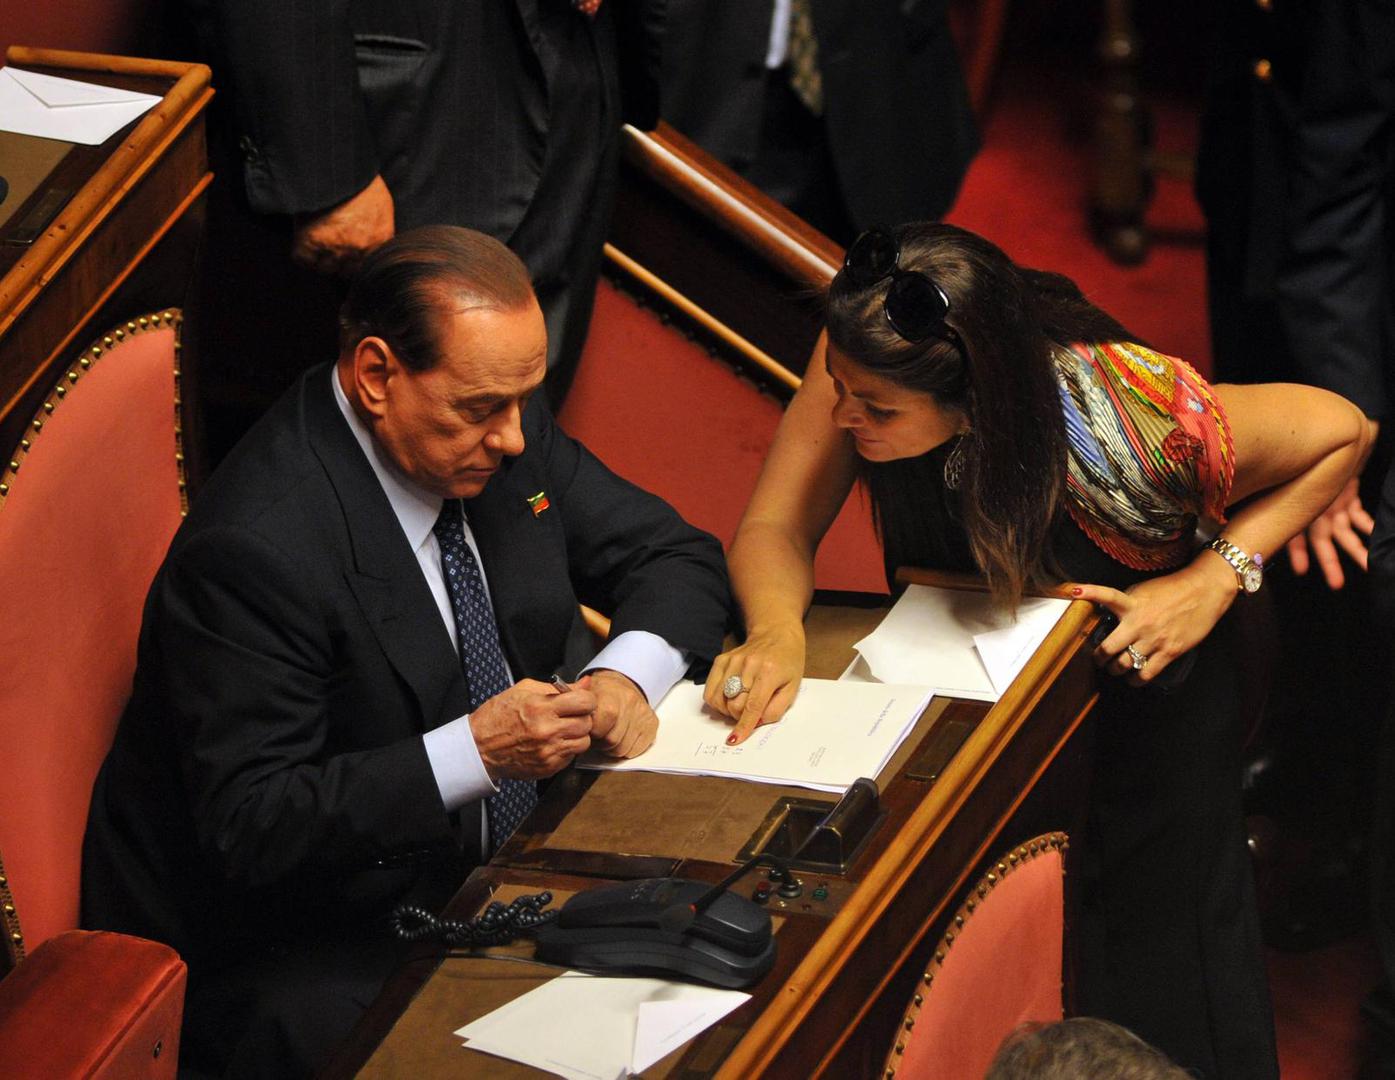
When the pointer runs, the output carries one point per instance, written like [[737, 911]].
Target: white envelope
[[52, 108]]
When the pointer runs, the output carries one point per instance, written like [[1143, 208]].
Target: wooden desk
[[123, 243], [847, 964]]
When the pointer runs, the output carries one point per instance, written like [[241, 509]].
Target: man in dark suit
[[850, 112], [325, 720], [343, 122]]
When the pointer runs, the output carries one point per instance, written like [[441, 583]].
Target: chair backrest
[[998, 966], [88, 503]]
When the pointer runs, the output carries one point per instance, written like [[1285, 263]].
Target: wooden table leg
[[1120, 186]]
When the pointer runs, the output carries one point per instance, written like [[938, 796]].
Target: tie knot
[[448, 523]]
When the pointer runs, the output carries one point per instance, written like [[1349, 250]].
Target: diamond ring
[[1140, 660], [733, 687]]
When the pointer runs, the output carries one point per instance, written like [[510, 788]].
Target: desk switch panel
[[802, 893]]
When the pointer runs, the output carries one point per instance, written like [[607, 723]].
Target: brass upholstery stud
[[85, 362], [62, 391], [38, 425], [959, 920], [900, 1048], [14, 466], [48, 405], [4, 489], [940, 956], [910, 1023], [120, 334], [24, 444], [72, 376], [108, 341], [918, 998]]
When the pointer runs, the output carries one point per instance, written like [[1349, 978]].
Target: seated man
[[340, 701]]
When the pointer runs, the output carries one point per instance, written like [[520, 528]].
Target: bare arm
[[1295, 449], [803, 484]]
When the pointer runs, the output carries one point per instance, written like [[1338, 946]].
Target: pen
[[560, 683]]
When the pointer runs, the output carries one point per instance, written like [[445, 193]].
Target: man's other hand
[[1341, 525], [531, 731], [336, 240], [625, 724]]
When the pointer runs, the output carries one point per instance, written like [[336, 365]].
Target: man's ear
[[373, 369]]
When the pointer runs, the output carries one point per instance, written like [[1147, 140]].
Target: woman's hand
[[1163, 617], [769, 664]]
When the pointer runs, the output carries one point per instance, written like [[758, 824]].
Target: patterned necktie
[[481, 657], [805, 77]]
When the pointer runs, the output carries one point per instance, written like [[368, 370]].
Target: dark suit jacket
[[268, 778], [1296, 174], [897, 111], [502, 116]]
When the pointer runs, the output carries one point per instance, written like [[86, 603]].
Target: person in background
[[341, 123], [1080, 1048], [1296, 175], [1002, 423], [849, 112]]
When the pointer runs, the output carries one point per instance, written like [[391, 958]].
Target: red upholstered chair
[[88, 503], [998, 966]]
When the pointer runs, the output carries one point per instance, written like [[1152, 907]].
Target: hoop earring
[[954, 464]]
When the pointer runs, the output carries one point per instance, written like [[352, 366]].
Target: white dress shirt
[[651, 662]]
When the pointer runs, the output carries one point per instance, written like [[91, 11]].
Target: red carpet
[[684, 424]]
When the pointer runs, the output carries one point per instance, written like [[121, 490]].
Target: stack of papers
[[954, 640], [834, 733], [68, 109], [586, 1027]]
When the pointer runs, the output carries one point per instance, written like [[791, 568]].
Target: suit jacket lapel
[[519, 563], [385, 577]]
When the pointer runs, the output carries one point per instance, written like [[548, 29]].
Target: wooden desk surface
[[845, 962]]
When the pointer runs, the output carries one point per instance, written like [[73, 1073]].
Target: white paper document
[[51, 108], [955, 641], [834, 733], [587, 1027]]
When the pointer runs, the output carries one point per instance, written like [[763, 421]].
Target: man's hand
[[336, 240], [531, 731], [625, 724], [1339, 525]]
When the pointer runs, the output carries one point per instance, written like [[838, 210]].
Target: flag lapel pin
[[538, 503]]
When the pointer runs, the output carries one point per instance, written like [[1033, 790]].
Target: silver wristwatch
[[1249, 569]]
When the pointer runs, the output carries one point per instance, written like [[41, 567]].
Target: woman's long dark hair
[[1008, 320]]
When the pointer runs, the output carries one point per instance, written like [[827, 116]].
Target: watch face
[[1253, 578]]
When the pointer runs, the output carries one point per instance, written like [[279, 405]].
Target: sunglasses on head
[[914, 305]]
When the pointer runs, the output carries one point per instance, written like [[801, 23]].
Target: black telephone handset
[[668, 927]]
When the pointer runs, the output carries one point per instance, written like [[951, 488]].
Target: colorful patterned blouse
[[1151, 452]]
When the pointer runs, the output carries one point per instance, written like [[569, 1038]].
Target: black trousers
[[1170, 938]]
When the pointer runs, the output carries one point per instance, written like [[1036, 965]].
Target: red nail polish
[[731, 739], [1076, 591]]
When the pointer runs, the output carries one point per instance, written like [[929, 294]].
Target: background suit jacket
[[499, 115], [268, 777], [897, 111]]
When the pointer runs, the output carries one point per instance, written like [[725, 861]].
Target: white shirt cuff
[[647, 659], [455, 761]]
